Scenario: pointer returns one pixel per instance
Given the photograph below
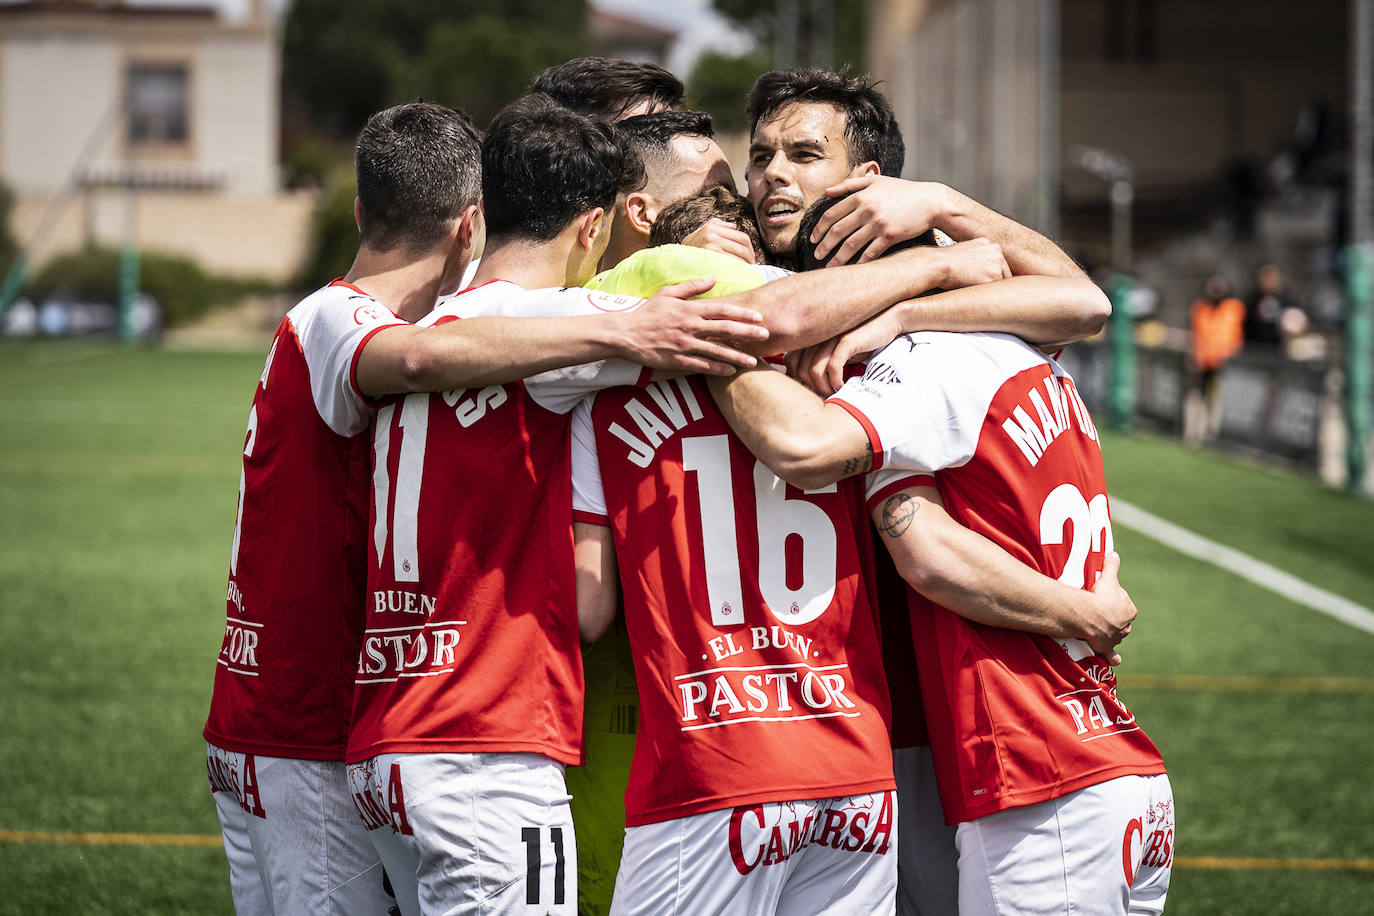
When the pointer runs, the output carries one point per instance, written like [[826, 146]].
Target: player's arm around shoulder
[[799, 437], [880, 211], [804, 309], [1042, 310], [669, 331]]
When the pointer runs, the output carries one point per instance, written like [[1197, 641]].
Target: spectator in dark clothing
[[1271, 317]]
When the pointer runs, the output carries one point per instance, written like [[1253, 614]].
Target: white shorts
[[471, 833], [1106, 850], [927, 862], [292, 838], [804, 858]]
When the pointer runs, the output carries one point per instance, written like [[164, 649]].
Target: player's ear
[[865, 168], [590, 227], [358, 214], [470, 230], [641, 211]]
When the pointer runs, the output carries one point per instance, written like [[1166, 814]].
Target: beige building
[[171, 108]]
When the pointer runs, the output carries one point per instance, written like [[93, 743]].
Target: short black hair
[[649, 136], [806, 251], [894, 155], [543, 165], [869, 121], [418, 168], [607, 87]]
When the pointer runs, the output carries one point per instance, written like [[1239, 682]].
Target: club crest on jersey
[[760, 836], [610, 302], [371, 314]]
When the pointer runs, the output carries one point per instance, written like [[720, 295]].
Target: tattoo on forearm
[[898, 512], [859, 464]]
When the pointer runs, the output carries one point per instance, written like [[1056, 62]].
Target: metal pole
[[1047, 152], [1359, 273], [1122, 195], [128, 262], [1121, 397], [128, 248], [18, 269]]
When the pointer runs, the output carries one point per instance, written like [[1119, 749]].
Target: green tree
[[333, 232], [346, 60], [761, 20], [719, 84]]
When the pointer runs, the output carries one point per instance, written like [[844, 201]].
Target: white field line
[[1243, 565]]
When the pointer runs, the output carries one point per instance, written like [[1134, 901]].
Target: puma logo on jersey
[[674, 406], [849, 828], [1052, 418]]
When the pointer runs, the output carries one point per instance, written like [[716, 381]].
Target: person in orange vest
[[1218, 332]]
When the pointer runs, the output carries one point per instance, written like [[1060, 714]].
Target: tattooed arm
[[799, 437], [965, 572]]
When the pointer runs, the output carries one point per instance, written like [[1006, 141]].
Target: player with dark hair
[[816, 133], [279, 715], [610, 88], [681, 158], [809, 128], [806, 254], [948, 419], [712, 618], [468, 689]]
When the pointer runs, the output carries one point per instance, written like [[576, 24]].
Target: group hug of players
[[457, 470]]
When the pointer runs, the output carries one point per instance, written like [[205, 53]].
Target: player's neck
[[407, 285], [529, 264], [625, 241]]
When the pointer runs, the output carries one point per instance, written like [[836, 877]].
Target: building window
[[158, 103]]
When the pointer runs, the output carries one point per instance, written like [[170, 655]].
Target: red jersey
[[284, 683], [1014, 718], [749, 607], [471, 641]]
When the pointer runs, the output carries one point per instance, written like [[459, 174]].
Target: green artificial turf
[[118, 485]]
